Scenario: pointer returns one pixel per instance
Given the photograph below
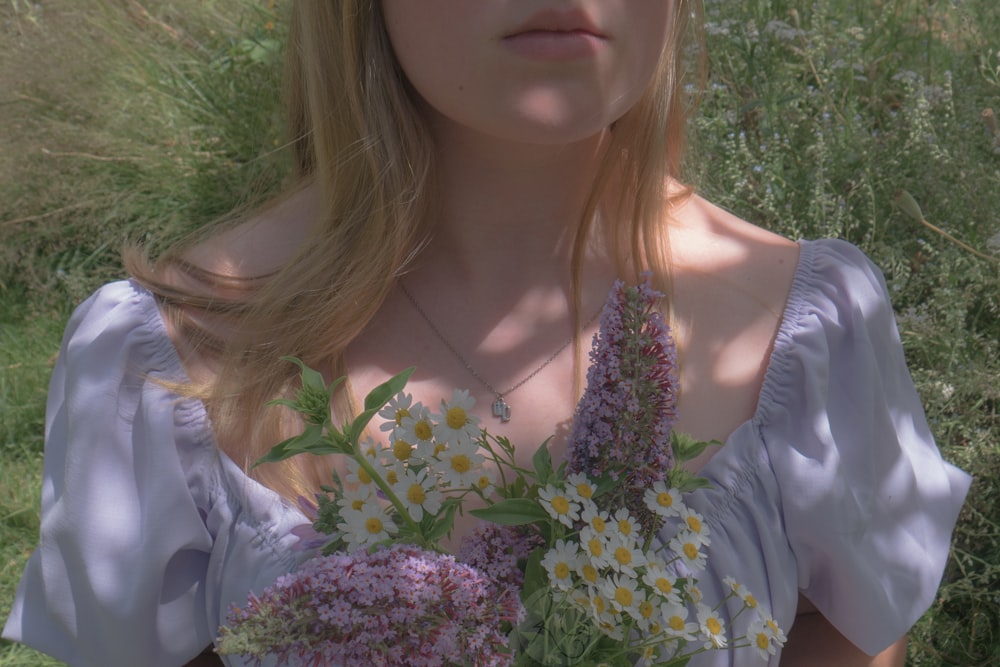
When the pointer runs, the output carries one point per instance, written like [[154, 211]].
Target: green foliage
[[872, 122]]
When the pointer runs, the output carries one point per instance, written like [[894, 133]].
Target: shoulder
[[120, 318], [260, 243], [746, 266]]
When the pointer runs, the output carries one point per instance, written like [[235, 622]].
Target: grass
[[145, 120]]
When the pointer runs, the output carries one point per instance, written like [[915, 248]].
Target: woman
[[474, 176]]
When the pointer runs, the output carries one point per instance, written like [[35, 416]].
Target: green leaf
[[687, 448], [375, 401], [535, 578], [444, 524], [311, 379], [310, 441], [685, 481], [542, 462], [512, 512], [381, 394]]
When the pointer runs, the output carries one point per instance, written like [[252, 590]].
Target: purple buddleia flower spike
[[622, 424], [396, 606]]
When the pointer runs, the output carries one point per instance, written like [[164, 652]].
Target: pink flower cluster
[[396, 606], [498, 552], [623, 421]]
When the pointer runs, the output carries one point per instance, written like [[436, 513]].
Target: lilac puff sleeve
[[868, 503], [118, 575]]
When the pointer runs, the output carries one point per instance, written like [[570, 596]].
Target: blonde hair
[[357, 135]]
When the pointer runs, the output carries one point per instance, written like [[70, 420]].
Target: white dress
[[149, 533]]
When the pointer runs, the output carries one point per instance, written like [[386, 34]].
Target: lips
[[559, 36], [558, 21]]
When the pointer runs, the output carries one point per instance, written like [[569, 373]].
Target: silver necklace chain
[[501, 409]]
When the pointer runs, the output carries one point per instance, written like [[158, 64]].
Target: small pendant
[[501, 409]]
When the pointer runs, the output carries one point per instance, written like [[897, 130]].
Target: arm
[[814, 642]]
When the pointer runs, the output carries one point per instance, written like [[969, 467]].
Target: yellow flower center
[[357, 504], [691, 551], [595, 546], [438, 448], [402, 449], [597, 523], [623, 596], [416, 494], [713, 625], [391, 476], [664, 586], [590, 573], [694, 524], [483, 482], [664, 499], [763, 641], [584, 490], [560, 505], [422, 430], [599, 605], [402, 412], [676, 623], [623, 555], [363, 476], [750, 602], [373, 525], [646, 609], [460, 463], [625, 526], [772, 624], [456, 417], [561, 570]]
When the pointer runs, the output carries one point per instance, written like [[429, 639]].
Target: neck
[[509, 207]]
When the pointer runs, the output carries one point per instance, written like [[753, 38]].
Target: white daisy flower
[[694, 522], [355, 499], [675, 622], [662, 583], [417, 427], [560, 562], [580, 488], [456, 423], [712, 627], [740, 591], [626, 523], [587, 571], [623, 593], [624, 555], [663, 501], [559, 504], [772, 627], [761, 639], [356, 475], [603, 612], [687, 546], [399, 406], [418, 493], [484, 483], [595, 519], [461, 464], [595, 547], [647, 617], [366, 527], [400, 448]]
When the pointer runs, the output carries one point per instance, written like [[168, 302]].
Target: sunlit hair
[[356, 134]]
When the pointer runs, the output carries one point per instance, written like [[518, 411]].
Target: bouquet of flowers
[[592, 562]]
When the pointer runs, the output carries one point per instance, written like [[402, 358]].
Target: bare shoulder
[[715, 251], [730, 282], [262, 243]]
